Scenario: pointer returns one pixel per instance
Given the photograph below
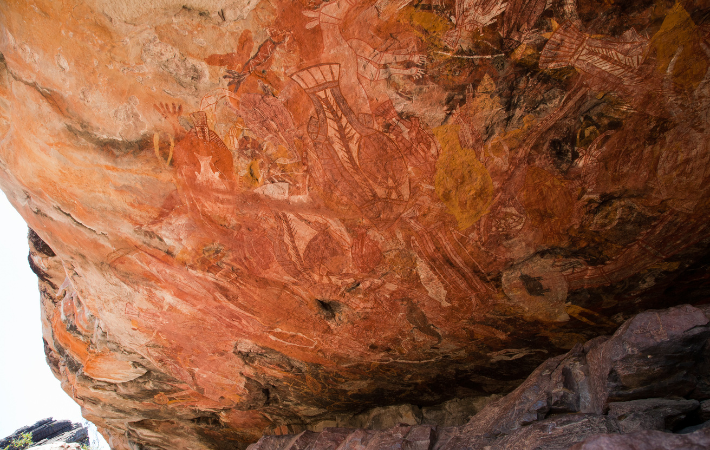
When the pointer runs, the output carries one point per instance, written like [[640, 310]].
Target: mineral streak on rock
[[261, 216]]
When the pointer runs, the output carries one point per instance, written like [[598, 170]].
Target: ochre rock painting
[[249, 217]]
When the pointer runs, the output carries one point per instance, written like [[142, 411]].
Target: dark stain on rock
[[419, 320], [41, 274], [533, 285], [211, 420], [118, 147], [39, 244], [330, 310]]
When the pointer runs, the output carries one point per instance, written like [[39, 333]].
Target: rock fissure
[[98, 233]]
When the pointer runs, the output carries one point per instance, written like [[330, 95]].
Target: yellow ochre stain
[[548, 203], [462, 181], [678, 32], [589, 317], [427, 20], [252, 178]]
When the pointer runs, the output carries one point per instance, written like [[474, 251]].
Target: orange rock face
[[252, 216]]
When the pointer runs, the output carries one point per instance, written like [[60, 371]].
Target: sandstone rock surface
[[261, 217], [58, 447], [557, 408], [647, 440], [50, 433]]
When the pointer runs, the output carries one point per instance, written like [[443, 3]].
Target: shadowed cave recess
[[368, 224]]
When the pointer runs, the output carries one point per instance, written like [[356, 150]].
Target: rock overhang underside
[[259, 216]]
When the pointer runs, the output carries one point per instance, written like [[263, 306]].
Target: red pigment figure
[[206, 172], [364, 165], [262, 55], [473, 15]]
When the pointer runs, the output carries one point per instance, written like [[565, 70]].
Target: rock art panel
[[253, 217]]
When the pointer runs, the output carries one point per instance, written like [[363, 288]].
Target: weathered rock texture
[[256, 216], [642, 383], [50, 432]]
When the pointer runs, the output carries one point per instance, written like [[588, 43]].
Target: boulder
[[49, 432], [647, 440], [651, 414]]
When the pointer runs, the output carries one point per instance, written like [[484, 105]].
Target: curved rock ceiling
[[254, 215]]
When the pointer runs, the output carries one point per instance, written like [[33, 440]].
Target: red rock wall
[[265, 213]]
